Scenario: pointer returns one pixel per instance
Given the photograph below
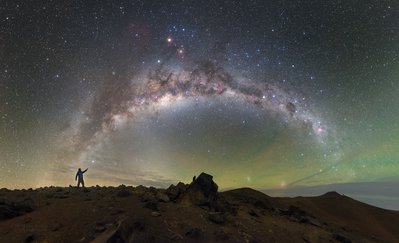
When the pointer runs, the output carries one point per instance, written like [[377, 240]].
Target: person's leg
[[83, 183], [80, 182]]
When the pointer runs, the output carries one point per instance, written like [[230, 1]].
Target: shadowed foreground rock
[[10, 209], [174, 192], [201, 192], [194, 212]]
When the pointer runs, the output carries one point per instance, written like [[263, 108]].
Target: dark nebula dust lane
[[267, 95]]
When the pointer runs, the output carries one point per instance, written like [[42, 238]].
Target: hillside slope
[[193, 212]]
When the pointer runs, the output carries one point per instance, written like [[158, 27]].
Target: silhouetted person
[[79, 177]]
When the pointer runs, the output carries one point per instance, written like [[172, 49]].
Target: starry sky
[[272, 95]]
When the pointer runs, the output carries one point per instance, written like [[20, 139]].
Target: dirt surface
[[187, 213]]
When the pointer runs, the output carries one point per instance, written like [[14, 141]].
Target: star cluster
[[267, 95]]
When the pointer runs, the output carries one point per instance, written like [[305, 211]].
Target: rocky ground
[[194, 212]]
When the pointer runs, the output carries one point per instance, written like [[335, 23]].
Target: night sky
[[271, 95]]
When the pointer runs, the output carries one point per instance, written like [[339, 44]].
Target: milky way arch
[[119, 104]]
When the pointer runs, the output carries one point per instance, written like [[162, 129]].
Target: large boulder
[[201, 192], [140, 190], [173, 192], [161, 197]]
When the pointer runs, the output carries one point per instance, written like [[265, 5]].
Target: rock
[[194, 233], [221, 235], [175, 236], [205, 183], [153, 194], [223, 205], [123, 192], [201, 192], [125, 230], [253, 213], [314, 222], [120, 211], [29, 238], [217, 217], [173, 192], [311, 236], [155, 214], [182, 187], [10, 209], [140, 189], [161, 197], [298, 215], [147, 196], [99, 228], [59, 195], [138, 226], [56, 227], [341, 238], [152, 204]]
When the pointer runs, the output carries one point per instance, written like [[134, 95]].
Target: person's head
[[79, 169]]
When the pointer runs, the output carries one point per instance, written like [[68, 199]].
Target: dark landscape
[[194, 212]]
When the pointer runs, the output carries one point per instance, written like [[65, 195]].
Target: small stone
[[99, 228], [175, 236], [139, 226], [155, 214], [341, 238], [29, 239], [56, 227], [194, 233], [153, 205], [221, 235], [253, 213], [217, 218]]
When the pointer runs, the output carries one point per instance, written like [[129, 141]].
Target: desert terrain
[[194, 212]]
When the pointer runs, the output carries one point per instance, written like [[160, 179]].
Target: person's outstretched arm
[[85, 170]]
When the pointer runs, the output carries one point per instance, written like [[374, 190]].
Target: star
[[169, 40]]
